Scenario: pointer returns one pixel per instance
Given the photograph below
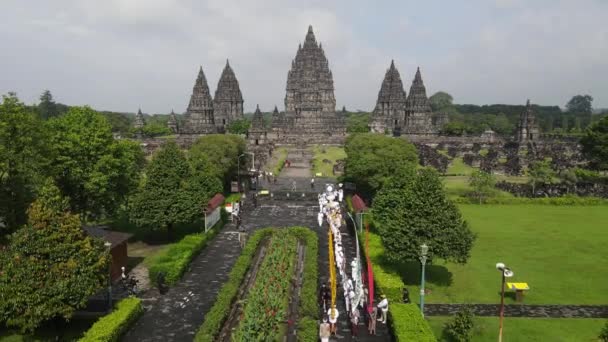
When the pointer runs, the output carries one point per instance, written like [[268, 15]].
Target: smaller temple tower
[[257, 134], [199, 115], [228, 100], [389, 114], [172, 123], [527, 128], [418, 112], [139, 124]]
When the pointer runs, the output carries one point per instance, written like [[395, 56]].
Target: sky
[[121, 55]]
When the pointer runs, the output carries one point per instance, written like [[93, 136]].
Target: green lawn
[[458, 167], [275, 164], [529, 329], [458, 186], [560, 251], [331, 153]]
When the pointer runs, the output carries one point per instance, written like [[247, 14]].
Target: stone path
[[177, 315], [522, 310]]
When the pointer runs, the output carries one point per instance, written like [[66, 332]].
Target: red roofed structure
[[215, 202], [358, 204]]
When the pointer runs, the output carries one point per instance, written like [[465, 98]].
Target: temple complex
[[139, 124], [228, 100], [199, 115], [389, 113], [527, 128], [310, 106], [172, 123]]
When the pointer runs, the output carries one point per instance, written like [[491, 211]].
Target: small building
[[118, 247], [213, 211]]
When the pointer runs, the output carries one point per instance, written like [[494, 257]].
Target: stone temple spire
[[172, 123], [527, 127], [199, 115], [228, 101], [257, 122], [140, 122], [389, 113], [418, 110]]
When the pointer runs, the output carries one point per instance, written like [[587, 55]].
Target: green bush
[[308, 330], [175, 258], [559, 201], [460, 327], [112, 326], [216, 316], [407, 324], [308, 295], [603, 337], [387, 282]]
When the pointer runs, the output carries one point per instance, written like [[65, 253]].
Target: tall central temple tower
[[310, 106]]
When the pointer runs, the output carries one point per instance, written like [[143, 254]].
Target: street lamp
[[238, 169], [424, 250], [361, 220], [108, 245], [506, 273]]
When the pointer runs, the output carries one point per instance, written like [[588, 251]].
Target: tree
[[441, 101], [413, 209], [240, 126], [482, 183], [540, 172], [373, 158], [220, 153], [173, 193], [155, 129], [95, 171], [357, 123], [454, 128], [50, 267], [47, 108], [23, 160], [459, 328], [595, 145], [580, 104], [604, 333]]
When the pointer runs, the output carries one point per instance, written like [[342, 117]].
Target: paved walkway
[[522, 310], [177, 315]]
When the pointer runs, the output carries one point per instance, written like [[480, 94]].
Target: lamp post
[[238, 169], [361, 220], [505, 273], [424, 250], [108, 245]]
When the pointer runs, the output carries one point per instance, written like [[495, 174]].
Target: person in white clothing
[[320, 219], [333, 314], [383, 306]]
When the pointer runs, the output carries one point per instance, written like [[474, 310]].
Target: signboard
[[350, 186], [212, 218], [234, 186]]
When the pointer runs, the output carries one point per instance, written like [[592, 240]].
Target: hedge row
[[217, 315], [309, 311], [112, 326], [565, 200], [175, 258], [408, 325]]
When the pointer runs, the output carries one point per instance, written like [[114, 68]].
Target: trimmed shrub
[[308, 296], [112, 326], [175, 258], [604, 333], [308, 330], [387, 282], [408, 324], [458, 329], [218, 313]]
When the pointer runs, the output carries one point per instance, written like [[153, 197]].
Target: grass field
[[560, 251], [528, 329], [331, 153], [458, 167]]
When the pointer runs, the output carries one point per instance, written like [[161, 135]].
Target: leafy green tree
[[540, 172], [357, 123], [95, 171], [240, 126], [23, 160], [460, 327], [119, 122], [413, 209], [155, 129], [595, 145], [50, 267], [47, 108], [220, 153], [482, 183], [580, 104], [454, 128], [604, 333], [173, 193], [373, 158], [441, 101]]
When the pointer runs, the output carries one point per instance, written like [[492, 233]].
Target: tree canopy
[[540, 172], [95, 171], [412, 209], [50, 267], [23, 160], [580, 104], [595, 145], [357, 122], [218, 153], [240, 126], [373, 158], [441, 101], [482, 183]]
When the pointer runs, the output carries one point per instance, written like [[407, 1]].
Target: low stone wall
[[554, 190]]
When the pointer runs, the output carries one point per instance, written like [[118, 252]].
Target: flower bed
[[265, 311]]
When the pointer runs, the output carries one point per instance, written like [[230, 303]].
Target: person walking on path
[[312, 183], [293, 185], [383, 306], [255, 200], [324, 330], [371, 326], [320, 219], [333, 320], [354, 321]]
